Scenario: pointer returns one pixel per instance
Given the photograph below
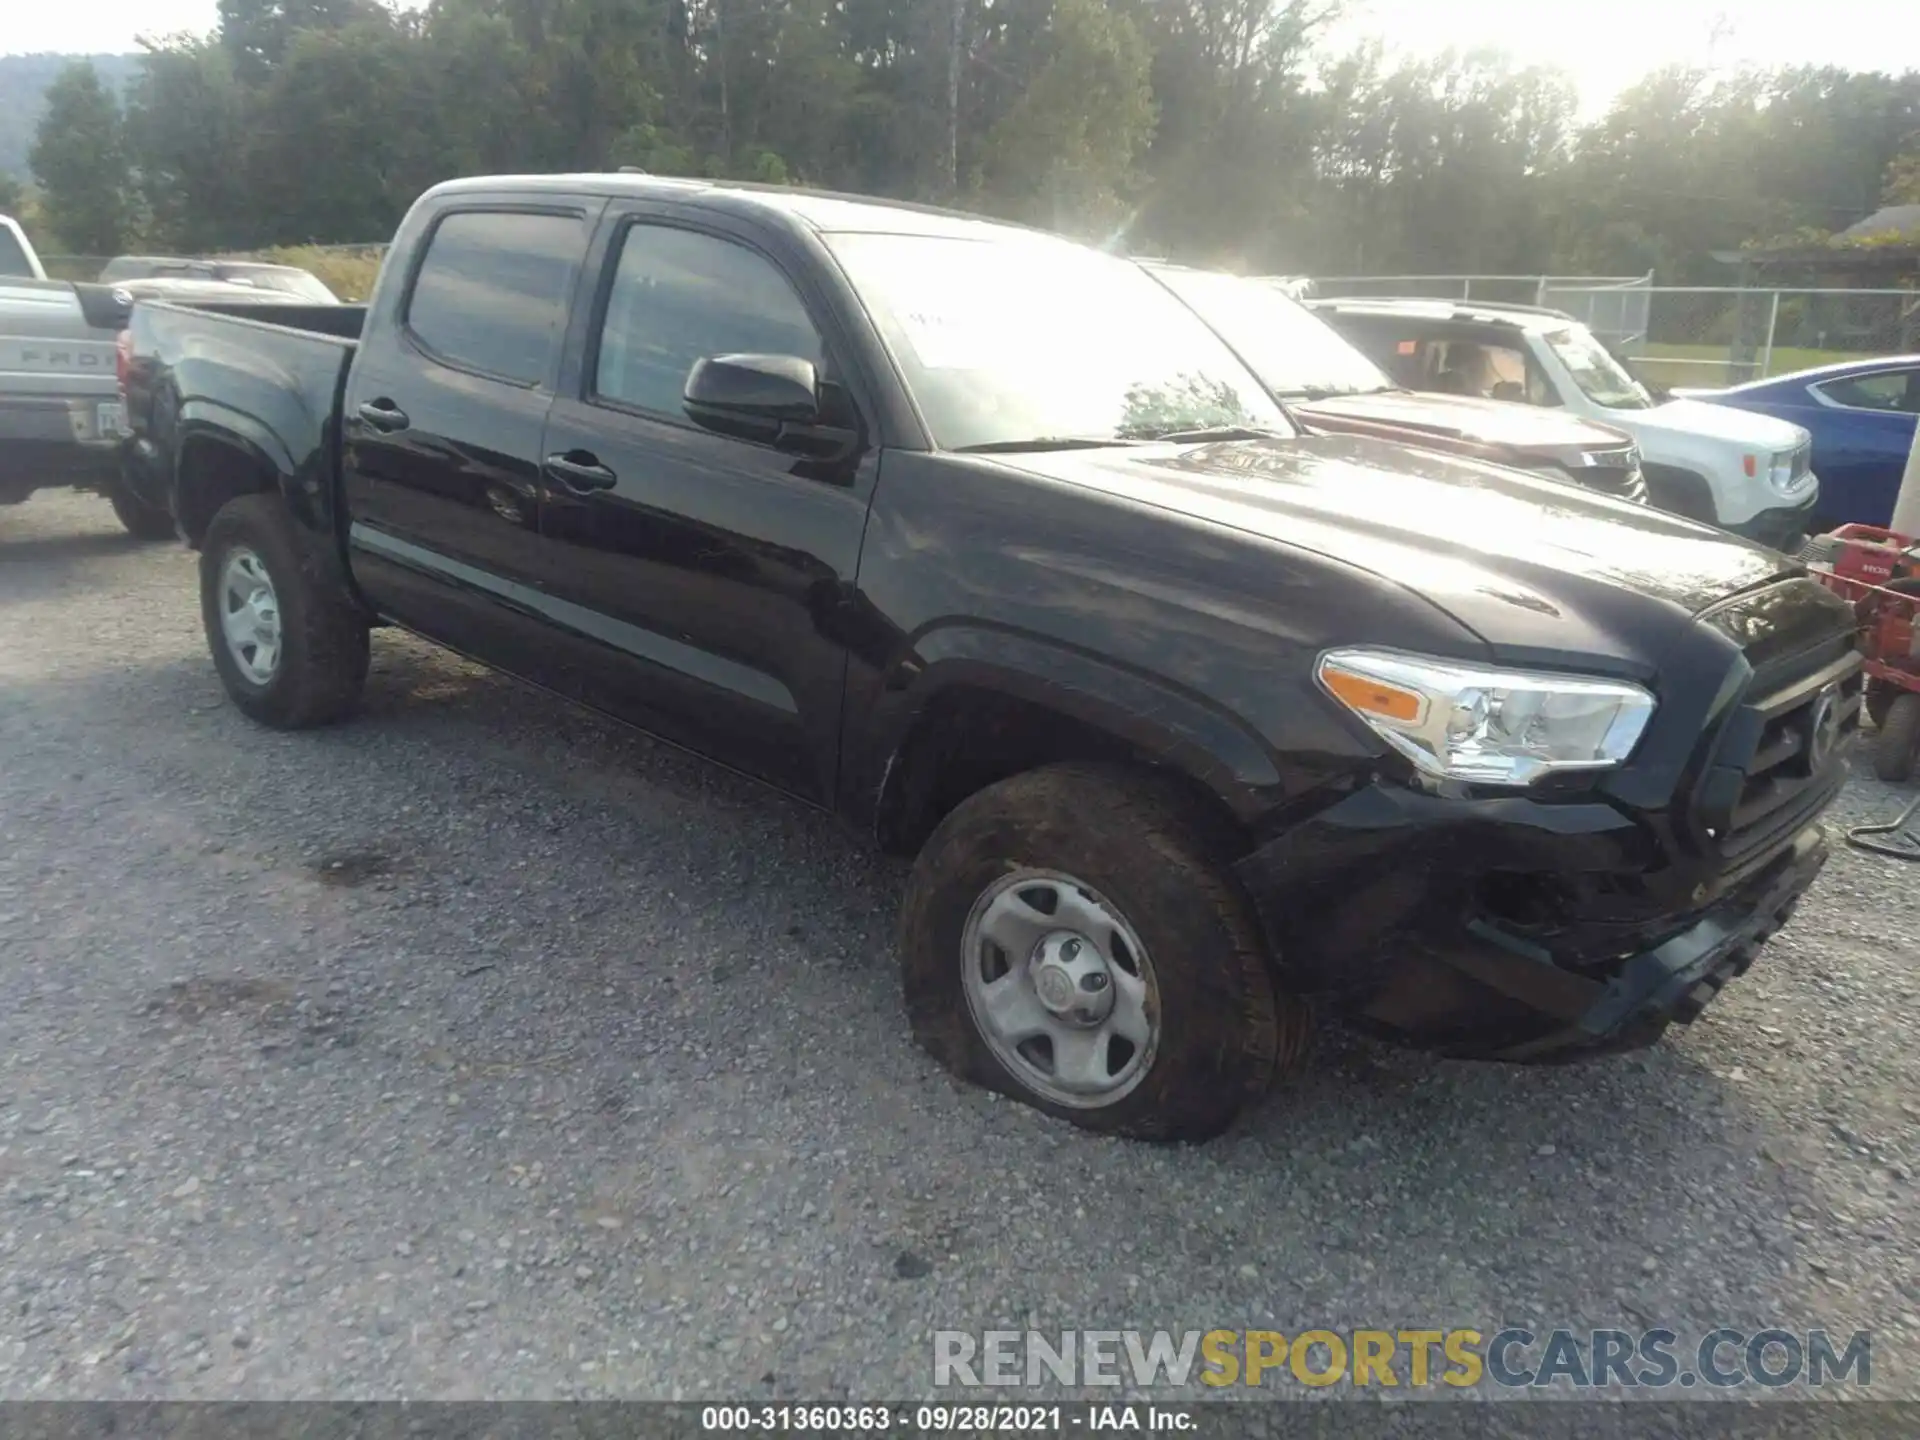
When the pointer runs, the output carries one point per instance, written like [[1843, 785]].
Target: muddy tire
[[1898, 739], [289, 646], [142, 521], [1124, 864]]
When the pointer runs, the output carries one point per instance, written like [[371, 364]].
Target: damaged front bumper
[[1509, 928]]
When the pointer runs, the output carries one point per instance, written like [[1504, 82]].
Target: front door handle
[[384, 416], [580, 472]]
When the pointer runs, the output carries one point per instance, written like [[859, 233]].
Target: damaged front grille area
[[1780, 756]]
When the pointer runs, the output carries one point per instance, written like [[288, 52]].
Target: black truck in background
[[982, 540]]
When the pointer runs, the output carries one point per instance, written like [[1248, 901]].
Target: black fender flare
[[1680, 491], [202, 423], [1187, 731]]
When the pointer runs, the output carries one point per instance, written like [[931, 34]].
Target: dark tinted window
[[679, 297], [13, 259], [492, 292]]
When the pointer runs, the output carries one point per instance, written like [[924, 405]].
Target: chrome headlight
[[1483, 725], [1780, 472], [1788, 470]]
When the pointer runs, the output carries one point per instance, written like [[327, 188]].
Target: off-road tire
[[142, 521], [1144, 844], [323, 659], [1898, 740], [1877, 699]]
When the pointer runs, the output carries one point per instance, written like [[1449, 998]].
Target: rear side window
[[13, 256], [679, 296], [1889, 390], [491, 293]]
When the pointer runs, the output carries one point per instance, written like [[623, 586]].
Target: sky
[[1605, 46]]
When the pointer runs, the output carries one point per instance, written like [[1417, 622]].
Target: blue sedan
[[1861, 414]]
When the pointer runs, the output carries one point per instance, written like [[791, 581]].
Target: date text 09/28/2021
[[944, 1419]]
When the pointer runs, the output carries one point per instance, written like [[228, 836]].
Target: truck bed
[[267, 376], [337, 322]]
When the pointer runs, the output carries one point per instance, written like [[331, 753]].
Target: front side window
[[1601, 378], [1487, 370], [492, 291], [678, 297], [1014, 340], [1896, 390]]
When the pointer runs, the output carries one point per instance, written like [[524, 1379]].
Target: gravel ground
[[479, 1048]]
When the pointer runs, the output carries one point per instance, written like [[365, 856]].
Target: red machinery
[[1879, 571]]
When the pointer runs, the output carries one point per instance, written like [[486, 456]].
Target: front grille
[[1781, 755]]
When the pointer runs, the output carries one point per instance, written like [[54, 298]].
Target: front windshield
[[1601, 378], [1293, 351], [1015, 339]]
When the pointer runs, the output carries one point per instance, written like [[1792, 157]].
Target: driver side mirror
[[774, 400]]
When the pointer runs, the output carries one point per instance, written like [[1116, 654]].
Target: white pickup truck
[[1751, 474], [61, 414]]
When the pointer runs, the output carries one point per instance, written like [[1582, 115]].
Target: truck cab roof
[[826, 211], [1482, 312]]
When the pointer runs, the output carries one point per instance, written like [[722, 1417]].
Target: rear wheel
[[1072, 939], [142, 521], [1898, 740], [289, 647]]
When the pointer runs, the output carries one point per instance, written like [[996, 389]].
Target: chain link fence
[[1710, 336]]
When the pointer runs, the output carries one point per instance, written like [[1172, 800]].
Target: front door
[[443, 422], [699, 574]]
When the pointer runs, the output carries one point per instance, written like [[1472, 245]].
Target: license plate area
[[109, 420]]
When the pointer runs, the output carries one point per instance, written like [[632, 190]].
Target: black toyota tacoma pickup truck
[[982, 540]]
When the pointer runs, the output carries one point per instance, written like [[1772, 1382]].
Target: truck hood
[[1490, 422], [1539, 570], [1716, 422]]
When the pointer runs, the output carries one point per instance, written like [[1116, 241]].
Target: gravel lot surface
[[478, 1048]]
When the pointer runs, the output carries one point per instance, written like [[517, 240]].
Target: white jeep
[[1747, 473]]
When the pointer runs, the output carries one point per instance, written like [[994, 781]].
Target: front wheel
[[1071, 938], [291, 650]]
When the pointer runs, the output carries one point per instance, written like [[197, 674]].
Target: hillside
[[23, 87]]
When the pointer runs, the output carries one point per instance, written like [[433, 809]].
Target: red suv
[[1330, 387]]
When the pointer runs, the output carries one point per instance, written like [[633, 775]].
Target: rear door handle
[[581, 472], [384, 416]]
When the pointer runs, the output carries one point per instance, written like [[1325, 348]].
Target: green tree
[[80, 162], [1901, 183], [12, 193], [187, 137], [346, 134], [257, 33], [1065, 152]]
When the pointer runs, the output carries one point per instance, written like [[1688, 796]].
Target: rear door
[[444, 410], [700, 576], [1862, 432]]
